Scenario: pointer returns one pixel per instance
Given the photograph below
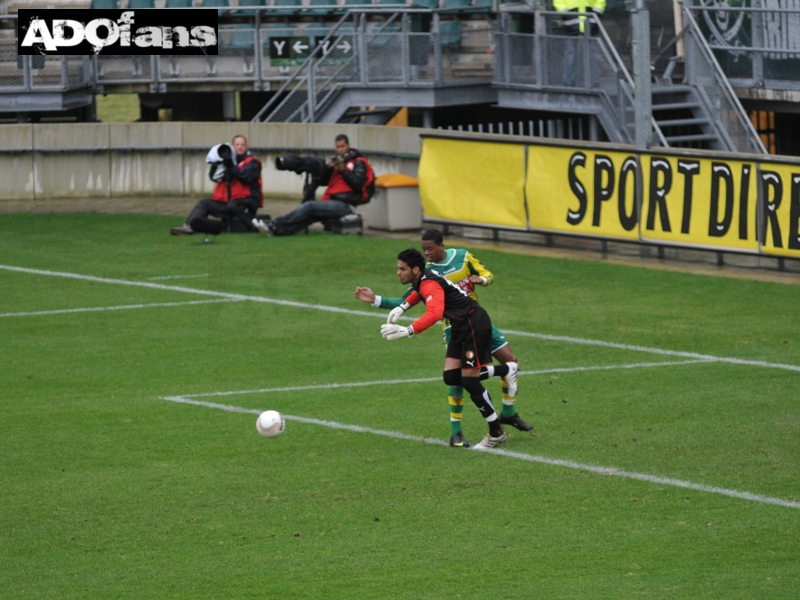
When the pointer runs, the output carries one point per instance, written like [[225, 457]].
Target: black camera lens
[[224, 152]]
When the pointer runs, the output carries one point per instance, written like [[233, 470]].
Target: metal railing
[[756, 45], [20, 74], [702, 71], [386, 53], [550, 59]]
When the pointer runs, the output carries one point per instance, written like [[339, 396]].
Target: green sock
[[456, 410]]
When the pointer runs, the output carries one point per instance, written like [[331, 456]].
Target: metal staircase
[[701, 110], [682, 119]]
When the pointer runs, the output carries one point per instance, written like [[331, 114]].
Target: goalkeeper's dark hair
[[342, 137], [433, 235], [413, 258]]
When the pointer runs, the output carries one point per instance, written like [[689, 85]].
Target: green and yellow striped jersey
[[457, 266]]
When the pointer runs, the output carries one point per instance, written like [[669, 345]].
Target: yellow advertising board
[[582, 191], [674, 198], [700, 202], [780, 202], [473, 182]]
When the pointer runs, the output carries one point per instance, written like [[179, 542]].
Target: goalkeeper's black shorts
[[471, 340]]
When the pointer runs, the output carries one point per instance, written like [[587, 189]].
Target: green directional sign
[[293, 51], [289, 51]]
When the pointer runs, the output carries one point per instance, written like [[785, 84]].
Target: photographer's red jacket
[[244, 182], [356, 177]]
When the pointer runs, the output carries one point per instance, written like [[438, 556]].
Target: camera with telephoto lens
[[310, 166], [338, 159], [224, 152]]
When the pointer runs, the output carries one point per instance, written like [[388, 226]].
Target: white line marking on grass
[[668, 481], [177, 277], [363, 313], [708, 357], [124, 307], [331, 386]]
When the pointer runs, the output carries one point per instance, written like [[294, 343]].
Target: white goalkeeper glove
[[394, 332], [396, 313]]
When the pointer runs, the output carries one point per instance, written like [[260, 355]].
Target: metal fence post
[[312, 90], [643, 100], [437, 49], [539, 30], [758, 41], [64, 73], [258, 56], [586, 48], [361, 31], [505, 51], [404, 47], [27, 76]]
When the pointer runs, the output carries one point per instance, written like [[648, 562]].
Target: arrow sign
[[344, 46], [288, 51]]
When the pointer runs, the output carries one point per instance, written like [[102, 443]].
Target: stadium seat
[[178, 4], [241, 38], [254, 3], [217, 4], [141, 4], [482, 6], [432, 4], [451, 34], [320, 8], [106, 4], [292, 8], [457, 4]]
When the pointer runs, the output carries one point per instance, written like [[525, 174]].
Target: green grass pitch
[[109, 491]]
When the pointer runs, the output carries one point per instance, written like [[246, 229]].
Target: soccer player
[[462, 268], [470, 336]]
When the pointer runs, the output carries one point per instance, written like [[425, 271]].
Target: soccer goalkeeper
[[463, 269], [470, 340]]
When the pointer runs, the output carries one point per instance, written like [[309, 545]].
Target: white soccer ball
[[270, 423]]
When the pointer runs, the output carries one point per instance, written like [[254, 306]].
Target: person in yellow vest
[[574, 24]]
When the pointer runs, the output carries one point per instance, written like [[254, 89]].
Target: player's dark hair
[[342, 138], [433, 235], [413, 258]]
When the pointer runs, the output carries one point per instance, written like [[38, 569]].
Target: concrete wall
[[40, 161]]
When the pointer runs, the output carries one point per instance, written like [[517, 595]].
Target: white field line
[[668, 481], [374, 314], [333, 386], [177, 277], [124, 307]]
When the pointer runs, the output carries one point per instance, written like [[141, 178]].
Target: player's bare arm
[[365, 294]]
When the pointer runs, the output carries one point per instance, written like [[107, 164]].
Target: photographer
[[236, 197], [350, 180]]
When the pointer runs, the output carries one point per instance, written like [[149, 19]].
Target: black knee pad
[[452, 377]]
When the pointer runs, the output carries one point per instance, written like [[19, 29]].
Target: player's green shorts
[[498, 339]]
